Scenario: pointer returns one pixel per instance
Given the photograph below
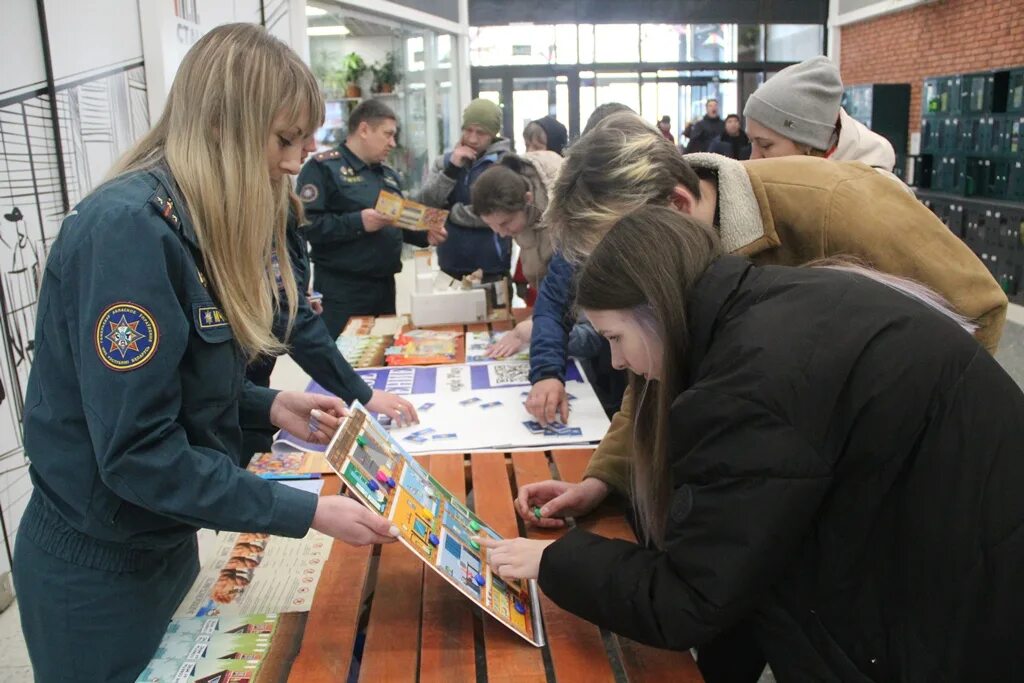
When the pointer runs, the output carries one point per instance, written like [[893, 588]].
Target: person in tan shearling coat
[[787, 211]]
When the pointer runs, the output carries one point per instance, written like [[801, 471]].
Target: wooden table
[[419, 628], [416, 627]]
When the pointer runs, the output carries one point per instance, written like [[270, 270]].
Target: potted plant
[[353, 67], [386, 75]]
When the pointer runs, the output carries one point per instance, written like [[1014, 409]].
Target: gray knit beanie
[[801, 102]]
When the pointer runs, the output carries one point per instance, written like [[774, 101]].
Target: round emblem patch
[[309, 192], [126, 336]]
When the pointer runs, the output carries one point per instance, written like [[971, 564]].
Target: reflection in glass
[[749, 43], [522, 44], [664, 42], [586, 43], [793, 42], [444, 50], [424, 99], [616, 43], [625, 56], [565, 44]]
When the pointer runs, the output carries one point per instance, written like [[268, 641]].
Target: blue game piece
[[519, 607], [480, 580], [391, 482], [372, 485], [434, 540]]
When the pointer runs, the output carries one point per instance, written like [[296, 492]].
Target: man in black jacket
[[733, 143], [701, 133]]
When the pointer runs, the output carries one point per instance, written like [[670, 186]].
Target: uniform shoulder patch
[[165, 207], [209, 317], [309, 193], [328, 155], [127, 336]]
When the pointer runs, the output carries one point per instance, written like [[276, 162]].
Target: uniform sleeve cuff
[[364, 394], [293, 511], [254, 407], [546, 373]]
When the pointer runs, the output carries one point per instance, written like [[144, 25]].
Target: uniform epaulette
[[326, 156], [165, 207]]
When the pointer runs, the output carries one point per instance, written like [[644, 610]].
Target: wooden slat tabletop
[[577, 648], [507, 659], [419, 628], [328, 642]]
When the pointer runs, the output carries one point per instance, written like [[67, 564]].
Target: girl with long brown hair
[[823, 455]]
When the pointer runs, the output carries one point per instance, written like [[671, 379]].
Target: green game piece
[[474, 525], [474, 545], [536, 511], [361, 440]]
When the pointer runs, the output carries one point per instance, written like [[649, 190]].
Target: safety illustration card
[[250, 573], [477, 344], [409, 214], [434, 525]]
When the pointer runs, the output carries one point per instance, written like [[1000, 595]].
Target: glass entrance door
[[535, 98], [528, 98]]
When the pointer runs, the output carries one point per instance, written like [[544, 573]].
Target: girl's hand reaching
[[514, 558]]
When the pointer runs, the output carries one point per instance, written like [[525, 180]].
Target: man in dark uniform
[[356, 249]]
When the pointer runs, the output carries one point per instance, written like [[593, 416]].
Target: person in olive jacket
[[824, 454]]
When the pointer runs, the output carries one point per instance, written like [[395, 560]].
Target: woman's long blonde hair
[[230, 88]]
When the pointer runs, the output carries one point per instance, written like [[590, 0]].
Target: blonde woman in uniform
[[157, 292]]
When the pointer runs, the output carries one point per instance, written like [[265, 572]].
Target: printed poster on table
[[225, 649], [434, 525], [477, 344], [258, 574], [476, 406]]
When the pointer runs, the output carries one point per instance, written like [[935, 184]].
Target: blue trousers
[[83, 624]]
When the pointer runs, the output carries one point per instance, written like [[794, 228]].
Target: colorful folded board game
[[434, 525]]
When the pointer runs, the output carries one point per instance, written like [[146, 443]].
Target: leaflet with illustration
[[409, 214]]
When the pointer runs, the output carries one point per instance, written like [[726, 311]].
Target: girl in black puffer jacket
[[827, 457]]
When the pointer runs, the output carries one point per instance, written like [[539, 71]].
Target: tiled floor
[[14, 666]]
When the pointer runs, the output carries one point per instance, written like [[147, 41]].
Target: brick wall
[[945, 37]]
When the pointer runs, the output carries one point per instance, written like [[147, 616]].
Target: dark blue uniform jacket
[[134, 404]]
